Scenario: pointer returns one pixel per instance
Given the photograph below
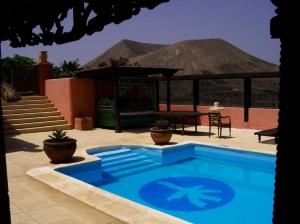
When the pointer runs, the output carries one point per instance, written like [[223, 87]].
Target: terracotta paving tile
[[15, 209], [22, 218], [52, 215], [27, 200]]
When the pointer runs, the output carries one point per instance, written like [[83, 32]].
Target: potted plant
[[162, 133], [59, 147], [105, 102]]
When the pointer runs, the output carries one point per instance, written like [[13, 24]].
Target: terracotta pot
[[58, 151], [84, 123], [161, 136]]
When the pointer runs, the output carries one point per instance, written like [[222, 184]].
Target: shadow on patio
[[13, 144], [269, 141]]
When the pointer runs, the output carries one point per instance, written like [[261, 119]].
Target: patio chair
[[215, 119]]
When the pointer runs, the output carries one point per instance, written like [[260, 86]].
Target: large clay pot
[[161, 136], [58, 151]]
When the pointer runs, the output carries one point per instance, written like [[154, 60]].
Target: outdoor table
[[180, 115]]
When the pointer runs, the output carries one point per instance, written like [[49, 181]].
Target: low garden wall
[[259, 118], [73, 97]]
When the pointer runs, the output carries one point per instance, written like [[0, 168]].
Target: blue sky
[[244, 23]]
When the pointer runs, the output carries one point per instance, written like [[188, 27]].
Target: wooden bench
[[273, 132]]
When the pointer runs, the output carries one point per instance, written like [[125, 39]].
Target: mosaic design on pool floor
[[186, 193]]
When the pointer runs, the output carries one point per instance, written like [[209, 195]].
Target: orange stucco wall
[[76, 97], [72, 97], [259, 118]]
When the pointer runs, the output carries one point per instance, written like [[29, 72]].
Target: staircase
[[31, 114], [124, 162]]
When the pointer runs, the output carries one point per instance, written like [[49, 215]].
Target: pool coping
[[109, 203]]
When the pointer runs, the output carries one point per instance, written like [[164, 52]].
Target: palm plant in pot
[[162, 133], [59, 147]]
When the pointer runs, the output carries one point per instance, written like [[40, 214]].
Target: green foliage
[[162, 124], [58, 135], [66, 69], [16, 62], [121, 61], [9, 93], [105, 102]]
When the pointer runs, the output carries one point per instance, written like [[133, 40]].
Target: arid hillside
[[208, 56]]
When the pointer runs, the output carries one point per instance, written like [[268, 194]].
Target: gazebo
[[129, 96], [132, 93]]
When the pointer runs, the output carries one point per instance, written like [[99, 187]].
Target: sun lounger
[[273, 132]]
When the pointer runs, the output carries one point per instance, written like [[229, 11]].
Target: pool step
[[112, 153], [135, 170], [106, 164], [126, 165], [124, 161], [119, 157]]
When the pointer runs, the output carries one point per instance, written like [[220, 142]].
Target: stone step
[[31, 115], [38, 129], [26, 106], [26, 111], [26, 93], [34, 97], [32, 119], [22, 102], [34, 124]]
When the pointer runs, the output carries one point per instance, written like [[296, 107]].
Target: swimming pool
[[194, 182]]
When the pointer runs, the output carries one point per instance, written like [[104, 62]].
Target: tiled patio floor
[[34, 202]]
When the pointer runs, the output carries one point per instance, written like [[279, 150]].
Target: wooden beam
[[117, 106], [247, 98], [96, 101], [156, 95], [168, 93], [195, 94]]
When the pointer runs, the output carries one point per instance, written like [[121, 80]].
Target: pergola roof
[[225, 76], [147, 71], [124, 71]]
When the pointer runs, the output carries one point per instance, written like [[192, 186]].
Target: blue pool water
[[197, 183]]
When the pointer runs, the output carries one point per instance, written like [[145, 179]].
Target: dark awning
[[225, 76], [103, 72]]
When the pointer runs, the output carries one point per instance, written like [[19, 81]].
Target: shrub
[[121, 61], [66, 69], [58, 135], [162, 124], [17, 62], [105, 102]]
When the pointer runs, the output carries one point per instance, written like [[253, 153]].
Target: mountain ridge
[[208, 56], [196, 56], [125, 48]]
